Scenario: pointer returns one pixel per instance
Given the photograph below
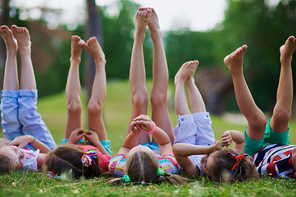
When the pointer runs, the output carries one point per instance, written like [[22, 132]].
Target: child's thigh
[[31, 119], [12, 128], [185, 131], [204, 133]]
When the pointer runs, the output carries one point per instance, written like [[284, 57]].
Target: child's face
[[207, 161], [16, 156]]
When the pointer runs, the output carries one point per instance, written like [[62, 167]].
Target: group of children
[[153, 150]]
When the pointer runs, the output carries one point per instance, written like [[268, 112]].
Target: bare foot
[[93, 47], [153, 23], [77, 45], [186, 71], [22, 36], [287, 50], [234, 61], [141, 21], [10, 42]]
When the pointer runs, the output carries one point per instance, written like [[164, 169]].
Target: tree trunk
[[94, 29], [4, 17]]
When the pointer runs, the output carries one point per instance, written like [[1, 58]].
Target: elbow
[[176, 149]]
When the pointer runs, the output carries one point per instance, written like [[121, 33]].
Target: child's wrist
[[152, 131], [33, 140]]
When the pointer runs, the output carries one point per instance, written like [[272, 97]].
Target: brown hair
[[5, 163], [67, 160], [142, 168], [220, 170]]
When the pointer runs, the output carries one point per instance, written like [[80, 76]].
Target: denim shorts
[[20, 117]]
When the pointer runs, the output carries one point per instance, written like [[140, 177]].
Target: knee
[[94, 108], [281, 115], [158, 98], [140, 100], [258, 121], [74, 108]]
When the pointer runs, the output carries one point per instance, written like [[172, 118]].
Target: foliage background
[[262, 26]]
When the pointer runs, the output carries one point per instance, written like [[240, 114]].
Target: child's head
[[11, 158], [69, 160], [218, 165], [142, 166]]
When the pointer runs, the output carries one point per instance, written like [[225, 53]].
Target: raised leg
[[255, 117], [9, 99], [73, 87], [99, 90], [22, 36], [282, 109], [196, 101], [160, 113], [31, 121], [137, 77], [10, 80], [186, 74]]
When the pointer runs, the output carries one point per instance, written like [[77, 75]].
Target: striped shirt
[[30, 160], [275, 160], [167, 162]]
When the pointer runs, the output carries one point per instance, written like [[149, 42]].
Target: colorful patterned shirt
[[275, 160], [103, 159], [167, 162]]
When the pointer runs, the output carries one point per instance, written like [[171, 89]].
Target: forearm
[[237, 136], [39, 145], [161, 137], [185, 150], [131, 140], [238, 139]]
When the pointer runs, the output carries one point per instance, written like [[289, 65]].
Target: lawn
[[116, 116]]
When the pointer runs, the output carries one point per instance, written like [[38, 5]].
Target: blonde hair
[[142, 168], [67, 159]]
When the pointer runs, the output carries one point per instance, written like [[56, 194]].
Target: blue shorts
[[20, 117], [105, 143], [195, 129], [270, 137]]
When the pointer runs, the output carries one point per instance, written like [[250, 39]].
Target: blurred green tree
[[264, 28]]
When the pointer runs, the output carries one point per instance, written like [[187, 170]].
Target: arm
[[130, 141], [94, 138], [22, 141], [236, 137], [162, 139], [183, 150]]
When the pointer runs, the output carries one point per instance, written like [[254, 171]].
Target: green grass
[[117, 110]]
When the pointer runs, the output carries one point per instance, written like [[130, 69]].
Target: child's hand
[[92, 136], [143, 122], [217, 145], [76, 135], [226, 139], [22, 141]]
